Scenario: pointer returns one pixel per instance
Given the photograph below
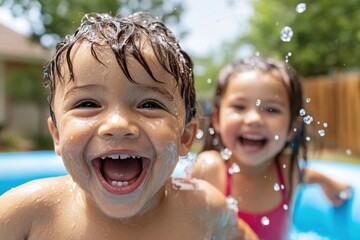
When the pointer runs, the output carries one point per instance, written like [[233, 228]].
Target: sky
[[209, 23]]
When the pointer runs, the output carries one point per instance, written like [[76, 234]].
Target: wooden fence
[[334, 103]]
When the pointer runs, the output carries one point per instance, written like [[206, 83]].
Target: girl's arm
[[337, 192]]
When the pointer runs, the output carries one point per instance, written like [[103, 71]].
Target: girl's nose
[[253, 117], [118, 125]]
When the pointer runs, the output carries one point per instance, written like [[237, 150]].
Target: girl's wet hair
[[126, 37], [291, 80]]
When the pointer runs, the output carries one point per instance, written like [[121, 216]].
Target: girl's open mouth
[[121, 173], [252, 143]]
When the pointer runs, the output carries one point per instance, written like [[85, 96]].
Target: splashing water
[[265, 221], [308, 119], [211, 131], [226, 154], [286, 34], [301, 7], [348, 151], [199, 134], [276, 187], [321, 132], [232, 203], [234, 168]]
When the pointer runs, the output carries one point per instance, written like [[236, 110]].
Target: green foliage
[[326, 36], [25, 85], [60, 17]]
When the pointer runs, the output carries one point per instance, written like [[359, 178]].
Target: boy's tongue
[[121, 169]]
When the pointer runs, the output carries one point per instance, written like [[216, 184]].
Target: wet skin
[[102, 114]]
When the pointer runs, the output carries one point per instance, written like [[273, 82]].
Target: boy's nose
[[253, 117], [117, 125]]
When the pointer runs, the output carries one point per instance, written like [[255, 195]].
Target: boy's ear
[[188, 136], [55, 135]]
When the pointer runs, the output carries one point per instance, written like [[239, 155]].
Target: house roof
[[18, 47]]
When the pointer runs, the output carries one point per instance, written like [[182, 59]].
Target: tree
[[52, 20], [326, 33]]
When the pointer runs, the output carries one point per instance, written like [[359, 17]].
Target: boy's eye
[[239, 107], [151, 104], [87, 104]]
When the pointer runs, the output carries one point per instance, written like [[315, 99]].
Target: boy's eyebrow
[[72, 91], [162, 91]]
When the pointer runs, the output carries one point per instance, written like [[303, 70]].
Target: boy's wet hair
[[126, 37], [292, 83]]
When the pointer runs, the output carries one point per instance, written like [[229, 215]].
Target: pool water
[[314, 218]]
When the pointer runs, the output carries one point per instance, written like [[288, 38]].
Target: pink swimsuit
[[272, 225]]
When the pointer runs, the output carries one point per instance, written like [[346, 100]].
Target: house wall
[[2, 95]]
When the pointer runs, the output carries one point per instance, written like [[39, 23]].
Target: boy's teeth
[[119, 183], [121, 156]]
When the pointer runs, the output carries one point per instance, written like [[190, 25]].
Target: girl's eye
[[87, 104], [151, 104], [272, 110]]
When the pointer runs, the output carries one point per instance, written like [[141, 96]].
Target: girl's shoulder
[[210, 166]]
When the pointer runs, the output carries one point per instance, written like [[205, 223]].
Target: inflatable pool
[[314, 218]]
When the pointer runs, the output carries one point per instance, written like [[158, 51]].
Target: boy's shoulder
[[21, 206]]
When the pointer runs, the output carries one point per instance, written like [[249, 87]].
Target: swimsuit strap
[[279, 172]]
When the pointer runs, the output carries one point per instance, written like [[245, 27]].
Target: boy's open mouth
[[121, 173]]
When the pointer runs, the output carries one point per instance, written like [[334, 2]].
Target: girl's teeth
[[119, 184]]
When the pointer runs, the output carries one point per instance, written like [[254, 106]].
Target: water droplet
[[282, 186], [284, 165], [308, 100], [345, 194], [325, 125], [265, 221], [257, 54], [301, 7], [276, 187], [225, 154], [234, 168], [211, 131], [285, 206], [199, 134], [276, 137], [258, 102], [286, 34], [307, 139], [348, 151], [302, 112], [295, 130], [232, 203], [321, 132], [308, 119], [209, 81]]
